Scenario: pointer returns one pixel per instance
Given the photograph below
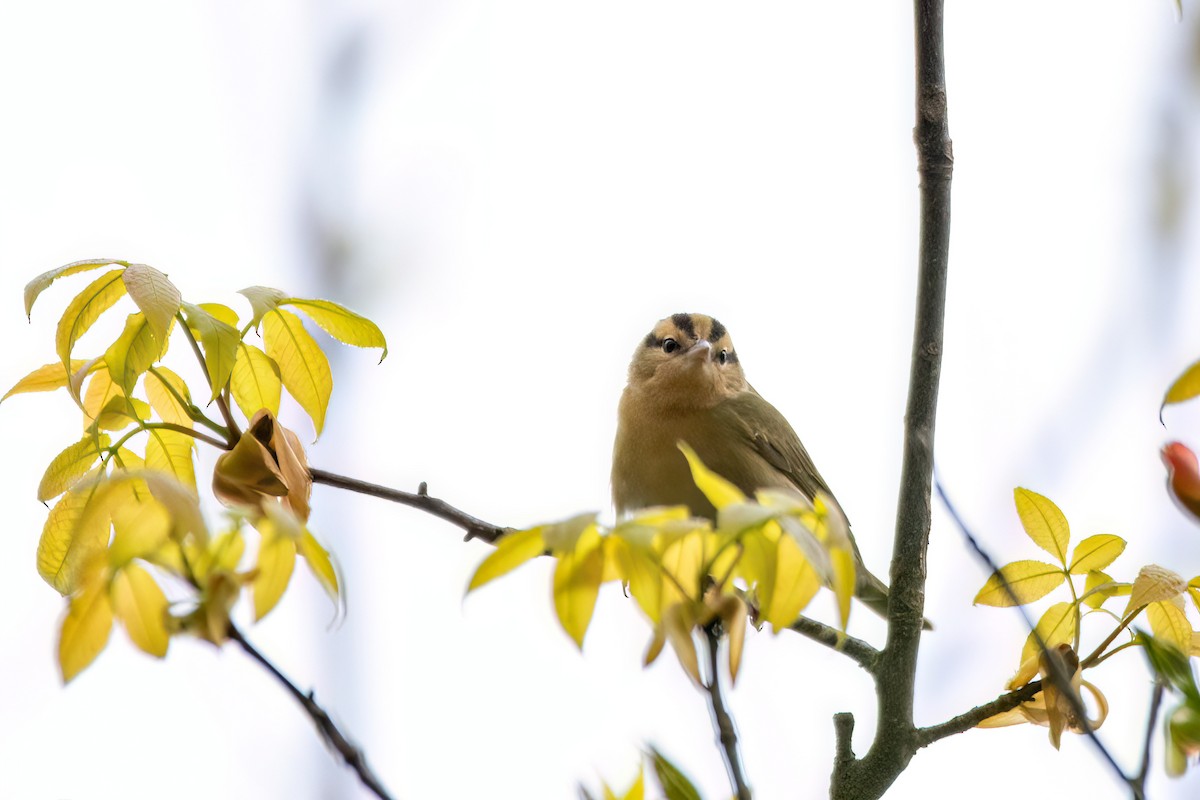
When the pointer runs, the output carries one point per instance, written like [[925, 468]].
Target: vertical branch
[[723, 721]]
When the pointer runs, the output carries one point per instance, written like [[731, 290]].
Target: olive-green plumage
[[686, 384]]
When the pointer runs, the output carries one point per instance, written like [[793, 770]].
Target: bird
[[686, 384]]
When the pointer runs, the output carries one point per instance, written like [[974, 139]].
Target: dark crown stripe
[[685, 323], [718, 330]]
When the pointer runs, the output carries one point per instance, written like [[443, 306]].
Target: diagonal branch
[[475, 528], [856, 650], [351, 755]]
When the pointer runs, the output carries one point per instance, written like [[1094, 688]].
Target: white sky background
[[520, 190]]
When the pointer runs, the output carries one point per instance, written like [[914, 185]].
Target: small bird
[[686, 384]]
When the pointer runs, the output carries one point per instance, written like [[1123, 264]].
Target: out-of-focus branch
[[351, 755], [857, 650], [723, 723]]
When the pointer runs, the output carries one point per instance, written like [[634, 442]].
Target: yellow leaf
[[133, 352], [1099, 587], [319, 563], [255, 381], [1027, 580], [219, 340], [222, 312], [1185, 387], [1193, 589], [718, 490], [303, 367], [341, 323], [1096, 552], [46, 378], [118, 412], [70, 465], [1044, 523], [562, 537], [85, 309], [733, 612], [62, 536], [1056, 626], [576, 584], [155, 296], [683, 561], [654, 649], [165, 390], [1170, 624], [1154, 584], [140, 604], [678, 622], [36, 286], [141, 526], [795, 585], [171, 451], [75, 379], [513, 550], [843, 582], [262, 299], [640, 570], [276, 560], [85, 629], [638, 790]]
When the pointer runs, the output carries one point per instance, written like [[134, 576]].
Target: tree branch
[[1139, 782], [964, 722], [351, 755], [857, 650], [723, 723], [475, 528]]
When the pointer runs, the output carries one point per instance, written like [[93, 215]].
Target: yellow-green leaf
[[1154, 584], [319, 563], [684, 560], [85, 309], [639, 569], [219, 341], [1056, 626], [1027, 580], [577, 583], [563, 537], [85, 629], [678, 623], [141, 526], [165, 390], [341, 323], [1096, 552], [36, 286], [674, 783], [303, 367], [1099, 587], [1169, 623], [1044, 523], [262, 299], [61, 536], [133, 352], [172, 451], [795, 584], [842, 562], [46, 378], [717, 489], [70, 465], [222, 312], [100, 390], [511, 551], [276, 560], [1193, 589], [140, 604], [1185, 387], [255, 381], [638, 790]]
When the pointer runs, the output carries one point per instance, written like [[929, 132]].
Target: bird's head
[[686, 361]]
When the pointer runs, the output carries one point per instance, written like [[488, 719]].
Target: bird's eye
[[723, 356], [670, 345]]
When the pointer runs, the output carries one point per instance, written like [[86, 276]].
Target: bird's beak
[[700, 351]]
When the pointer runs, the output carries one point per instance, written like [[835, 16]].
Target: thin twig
[[1057, 668], [1156, 697], [723, 723], [235, 433], [968, 720], [475, 528], [857, 650], [195, 434], [351, 755]]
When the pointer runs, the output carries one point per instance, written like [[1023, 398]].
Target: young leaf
[[70, 465], [563, 537], [262, 299], [133, 352], [85, 629], [303, 367], [1154, 584], [675, 784], [341, 323], [718, 490], [171, 452], [1099, 587], [1027, 580], [255, 381], [513, 550], [36, 286], [1185, 387], [155, 296], [319, 563], [46, 378], [85, 309], [733, 613], [61, 535], [222, 312], [140, 604], [219, 341], [576, 584], [795, 584], [165, 390], [1096, 552], [1056, 626], [276, 560], [141, 526], [1170, 624], [641, 571], [678, 623], [1044, 523]]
